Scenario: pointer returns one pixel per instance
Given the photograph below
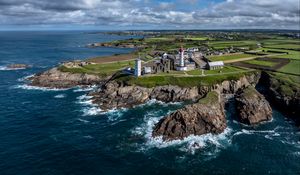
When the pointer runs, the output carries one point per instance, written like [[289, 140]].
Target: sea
[[59, 131]]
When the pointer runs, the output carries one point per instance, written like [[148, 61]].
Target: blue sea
[[60, 132]]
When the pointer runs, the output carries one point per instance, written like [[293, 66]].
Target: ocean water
[[61, 132]]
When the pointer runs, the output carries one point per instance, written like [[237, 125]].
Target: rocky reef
[[54, 78], [252, 107], [206, 116]]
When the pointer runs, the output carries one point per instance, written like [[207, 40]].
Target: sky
[[148, 14]]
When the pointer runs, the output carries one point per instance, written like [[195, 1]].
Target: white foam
[[89, 109], [28, 87], [154, 101], [82, 120], [85, 89], [60, 96], [115, 114], [189, 144], [5, 68], [25, 78]]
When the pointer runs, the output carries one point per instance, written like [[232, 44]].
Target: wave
[[5, 68], [60, 96], [154, 101], [89, 109], [85, 89], [25, 78], [28, 87], [189, 144], [82, 120]]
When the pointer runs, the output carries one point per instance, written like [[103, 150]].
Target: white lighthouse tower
[[181, 66], [138, 67]]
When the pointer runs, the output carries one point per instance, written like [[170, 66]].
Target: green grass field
[[227, 44], [261, 63], [292, 53], [197, 38], [153, 81], [292, 67], [99, 69], [284, 46], [230, 57], [226, 69]]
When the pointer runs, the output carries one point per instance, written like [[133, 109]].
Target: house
[[215, 65]]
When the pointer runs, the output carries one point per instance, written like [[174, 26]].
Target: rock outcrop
[[118, 95], [284, 94], [252, 107], [55, 78], [206, 116]]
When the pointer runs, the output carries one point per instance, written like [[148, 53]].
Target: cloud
[[153, 14]]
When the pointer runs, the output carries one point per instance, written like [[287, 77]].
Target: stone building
[[158, 66]]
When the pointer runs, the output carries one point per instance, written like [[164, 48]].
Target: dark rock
[[252, 107], [206, 116], [282, 93]]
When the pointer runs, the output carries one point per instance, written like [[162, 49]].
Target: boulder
[[252, 107], [206, 116]]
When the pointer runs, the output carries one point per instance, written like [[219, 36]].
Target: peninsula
[[200, 68]]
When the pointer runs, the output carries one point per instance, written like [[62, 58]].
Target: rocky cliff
[[117, 94], [206, 116], [252, 107], [55, 78], [282, 93]]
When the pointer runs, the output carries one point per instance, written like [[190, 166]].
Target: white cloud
[[228, 14]]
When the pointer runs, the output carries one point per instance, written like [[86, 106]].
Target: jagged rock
[[115, 94], [55, 78], [206, 116], [284, 94], [252, 107]]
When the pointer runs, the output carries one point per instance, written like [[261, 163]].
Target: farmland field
[[230, 57], [292, 67], [261, 63]]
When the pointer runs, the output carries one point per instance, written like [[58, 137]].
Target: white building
[[181, 66], [215, 65], [147, 70], [138, 67]]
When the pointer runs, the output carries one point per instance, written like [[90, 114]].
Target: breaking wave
[[28, 87], [189, 144], [89, 109], [84, 89], [25, 78]]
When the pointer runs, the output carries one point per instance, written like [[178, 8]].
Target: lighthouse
[[138, 67], [181, 66]]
